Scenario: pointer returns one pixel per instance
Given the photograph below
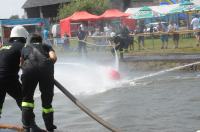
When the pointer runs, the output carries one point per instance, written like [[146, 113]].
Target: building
[[49, 8], [42, 8]]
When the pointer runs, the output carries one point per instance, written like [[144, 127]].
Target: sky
[[11, 7]]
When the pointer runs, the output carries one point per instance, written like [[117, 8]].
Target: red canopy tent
[[131, 23], [65, 27], [77, 16], [113, 13], [83, 16]]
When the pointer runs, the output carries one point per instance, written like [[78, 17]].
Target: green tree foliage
[[14, 17], [92, 6]]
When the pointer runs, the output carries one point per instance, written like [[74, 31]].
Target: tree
[[126, 4], [14, 17], [96, 7]]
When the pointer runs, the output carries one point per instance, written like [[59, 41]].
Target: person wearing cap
[[37, 63], [10, 65]]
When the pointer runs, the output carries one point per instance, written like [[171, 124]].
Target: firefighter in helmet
[[9, 65]]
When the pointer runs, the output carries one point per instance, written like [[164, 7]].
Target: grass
[[153, 46], [187, 45]]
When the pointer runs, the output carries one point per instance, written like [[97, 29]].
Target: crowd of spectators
[[101, 34]]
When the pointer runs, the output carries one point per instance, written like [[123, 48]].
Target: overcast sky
[[11, 7]]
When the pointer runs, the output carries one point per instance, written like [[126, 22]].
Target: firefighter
[[118, 45], [121, 41], [37, 62], [9, 65], [124, 34]]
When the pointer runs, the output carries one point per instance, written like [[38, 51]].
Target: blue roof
[[30, 21]]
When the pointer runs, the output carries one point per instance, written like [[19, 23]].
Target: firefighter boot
[[27, 115], [26, 129], [0, 112], [48, 120], [28, 119], [35, 128]]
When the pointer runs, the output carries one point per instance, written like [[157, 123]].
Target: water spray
[[161, 72], [116, 57]]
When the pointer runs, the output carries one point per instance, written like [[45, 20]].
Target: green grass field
[[187, 45], [153, 46]]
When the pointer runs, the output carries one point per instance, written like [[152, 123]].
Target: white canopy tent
[[163, 9], [196, 2]]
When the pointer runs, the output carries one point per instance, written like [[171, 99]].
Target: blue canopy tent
[[24, 22]]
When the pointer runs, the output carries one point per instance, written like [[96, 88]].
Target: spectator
[[66, 42], [151, 29], [45, 35], [172, 28], [97, 38], [81, 41], [107, 30], [55, 33], [164, 36], [195, 25], [140, 29]]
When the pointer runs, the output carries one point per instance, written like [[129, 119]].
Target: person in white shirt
[[195, 25], [195, 22]]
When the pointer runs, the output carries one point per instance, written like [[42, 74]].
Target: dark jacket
[[36, 58], [10, 60]]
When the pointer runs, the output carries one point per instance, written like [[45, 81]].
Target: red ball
[[113, 74]]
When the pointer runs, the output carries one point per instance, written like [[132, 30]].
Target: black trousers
[[45, 78], [82, 49], [13, 88]]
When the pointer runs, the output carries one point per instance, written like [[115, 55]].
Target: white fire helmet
[[19, 31]]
